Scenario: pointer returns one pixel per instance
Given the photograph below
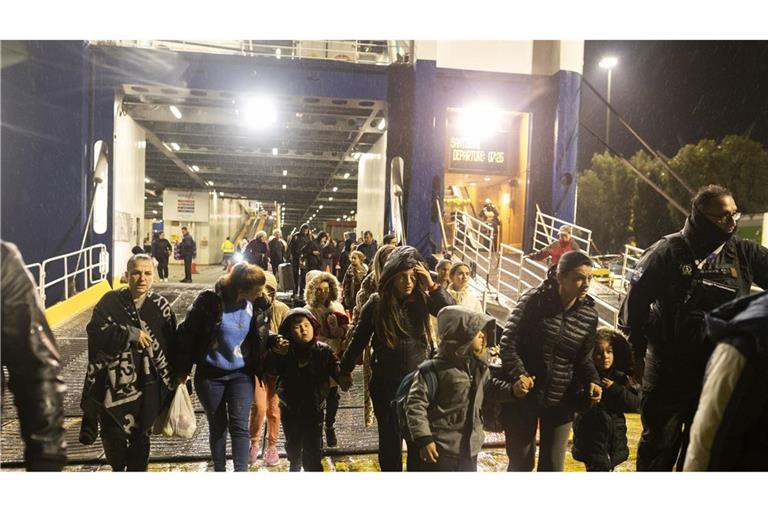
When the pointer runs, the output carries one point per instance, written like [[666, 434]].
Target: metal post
[[608, 111], [66, 281]]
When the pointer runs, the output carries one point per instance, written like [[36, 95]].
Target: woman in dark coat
[[395, 321], [546, 353], [223, 336]]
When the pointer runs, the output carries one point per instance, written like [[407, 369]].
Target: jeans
[[303, 439], [666, 420], [390, 440], [124, 452], [188, 268], [226, 398], [520, 421], [162, 268], [266, 404]]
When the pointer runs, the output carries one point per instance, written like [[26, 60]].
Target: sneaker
[[271, 458], [253, 454], [330, 437]]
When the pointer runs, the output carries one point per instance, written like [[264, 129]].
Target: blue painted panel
[[44, 164], [566, 145]]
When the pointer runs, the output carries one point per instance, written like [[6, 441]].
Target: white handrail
[[100, 262], [547, 226]]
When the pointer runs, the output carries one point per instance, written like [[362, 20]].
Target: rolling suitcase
[[285, 277]]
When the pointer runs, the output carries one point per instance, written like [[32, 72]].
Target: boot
[[330, 437]]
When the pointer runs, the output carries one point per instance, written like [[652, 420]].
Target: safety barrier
[[631, 257], [508, 273], [547, 227], [86, 262]]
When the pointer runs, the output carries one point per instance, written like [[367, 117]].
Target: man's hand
[[523, 385], [607, 383], [345, 381], [595, 393], [145, 340], [281, 346], [429, 453]]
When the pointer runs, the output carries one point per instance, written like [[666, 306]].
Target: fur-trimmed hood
[[314, 282]]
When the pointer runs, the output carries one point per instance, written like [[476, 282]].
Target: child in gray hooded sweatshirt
[[447, 427]]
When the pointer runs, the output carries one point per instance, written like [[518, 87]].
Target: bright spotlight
[[335, 189], [479, 120], [285, 172], [260, 113], [382, 124], [175, 111], [175, 146], [608, 62], [346, 175]]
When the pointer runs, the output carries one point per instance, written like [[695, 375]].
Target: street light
[[608, 63]]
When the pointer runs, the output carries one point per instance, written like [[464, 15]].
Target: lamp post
[[608, 63]]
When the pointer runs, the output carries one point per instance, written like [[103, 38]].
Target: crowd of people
[[689, 357]]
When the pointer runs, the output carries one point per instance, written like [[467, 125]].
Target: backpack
[[427, 369]]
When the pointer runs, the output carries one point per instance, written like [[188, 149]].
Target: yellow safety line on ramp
[[66, 309]]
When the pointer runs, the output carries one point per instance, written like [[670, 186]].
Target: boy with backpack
[[304, 367], [442, 407]]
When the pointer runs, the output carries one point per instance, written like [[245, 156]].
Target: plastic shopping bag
[[180, 420]]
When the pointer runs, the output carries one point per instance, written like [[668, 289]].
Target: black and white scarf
[[132, 385]]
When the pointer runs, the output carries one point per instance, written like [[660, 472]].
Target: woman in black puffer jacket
[[546, 352], [395, 321]]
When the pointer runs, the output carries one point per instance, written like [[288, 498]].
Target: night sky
[[676, 92]]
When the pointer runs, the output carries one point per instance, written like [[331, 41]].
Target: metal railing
[[547, 227], [507, 274], [90, 261], [378, 52], [631, 257]]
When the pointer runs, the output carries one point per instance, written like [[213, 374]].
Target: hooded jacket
[[555, 346], [730, 429], [200, 330], [663, 311], [452, 419], [304, 373], [600, 431], [410, 350], [298, 242], [322, 312]]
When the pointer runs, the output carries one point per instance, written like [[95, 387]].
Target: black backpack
[[428, 371]]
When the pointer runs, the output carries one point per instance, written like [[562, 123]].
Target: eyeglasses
[[723, 219]]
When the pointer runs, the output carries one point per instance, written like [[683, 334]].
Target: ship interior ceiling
[[306, 158]]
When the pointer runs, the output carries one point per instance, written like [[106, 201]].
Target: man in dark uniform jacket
[[679, 279]]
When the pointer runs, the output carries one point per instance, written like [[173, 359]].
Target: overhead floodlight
[[321, 207], [275, 151], [330, 198], [335, 189], [210, 183], [382, 124], [221, 194], [154, 212], [346, 175], [608, 62], [479, 120], [356, 155], [175, 111], [175, 146], [351, 212], [337, 219], [278, 53], [284, 186], [285, 172], [196, 168], [160, 203], [260, 112], [147, 180]]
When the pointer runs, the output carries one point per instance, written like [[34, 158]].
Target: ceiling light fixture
[[175, 111], [260, 112], [285, 172], [160, 203], [335, 189], [195, 168], [221, 194], [147, 180], [175, 146], [284, 186], [330, 198], [154, 212], [351, 212], [382, 124], [346, 175], [321, 207], [210, 183]]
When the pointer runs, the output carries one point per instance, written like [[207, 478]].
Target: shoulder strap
[[428, 371]]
